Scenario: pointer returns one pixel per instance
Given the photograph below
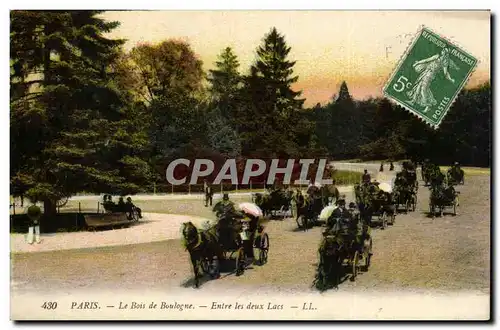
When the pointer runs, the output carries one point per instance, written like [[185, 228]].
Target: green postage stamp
[[429, 76]]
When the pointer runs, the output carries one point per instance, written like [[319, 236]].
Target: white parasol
[[327, 212], [251, 208], [385, 187]]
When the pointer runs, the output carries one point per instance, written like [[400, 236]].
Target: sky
[[359, 47]]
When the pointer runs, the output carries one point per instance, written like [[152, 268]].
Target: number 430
[[49, 305], [401, 84]]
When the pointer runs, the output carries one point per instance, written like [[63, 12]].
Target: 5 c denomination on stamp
[[429, 76]]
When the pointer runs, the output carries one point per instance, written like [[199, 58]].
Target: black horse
[[330, 271], [204, 250]]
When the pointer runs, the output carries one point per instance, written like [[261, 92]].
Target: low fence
[[348, 175], [346, 178]]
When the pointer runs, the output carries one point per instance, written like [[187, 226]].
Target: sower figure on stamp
[[428, 69], [207, 188], [34, 214]]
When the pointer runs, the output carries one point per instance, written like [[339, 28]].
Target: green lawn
[[470, 170], [347, 177]]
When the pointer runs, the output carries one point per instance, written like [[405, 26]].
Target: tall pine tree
[[272, 123], [71, 130], [225, 79]]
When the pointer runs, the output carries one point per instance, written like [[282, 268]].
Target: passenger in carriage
[[374, 189], [247, 235], [449, 191], [338, 216], [454, 169], [357, 228], [353, 210], [226, 223], [366, 178], [227, 203], [400, 180]]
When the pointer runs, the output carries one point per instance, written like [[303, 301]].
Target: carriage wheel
[[355, 266], [301, 221], [134, 216], [368, 255], [263, 249], [240, 261]]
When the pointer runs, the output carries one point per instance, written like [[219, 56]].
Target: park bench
[[116, 219]]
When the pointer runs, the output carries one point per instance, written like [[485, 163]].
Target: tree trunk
[[49, 207]]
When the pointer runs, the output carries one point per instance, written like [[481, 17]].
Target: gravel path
[[152, 228], [417, 253]]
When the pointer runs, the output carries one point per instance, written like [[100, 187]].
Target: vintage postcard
[[250, 165]]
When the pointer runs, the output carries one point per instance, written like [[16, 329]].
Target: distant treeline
[[86, 115], [378, 129]]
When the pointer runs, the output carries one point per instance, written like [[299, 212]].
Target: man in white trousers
[[34, 215]]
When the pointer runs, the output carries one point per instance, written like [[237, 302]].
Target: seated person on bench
[[130, 207], [108, 204]]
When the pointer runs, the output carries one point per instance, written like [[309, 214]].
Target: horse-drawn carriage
[[376, 203], [308, 206], [274, 201], [406, 197], [235, 236], [455, 175], [443, 197], [405, 190], [346, 244], [430, 173]]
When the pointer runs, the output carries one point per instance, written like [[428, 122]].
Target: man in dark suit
[[207, 188]]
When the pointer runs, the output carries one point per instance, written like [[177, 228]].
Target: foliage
[[377, 129], [70, 126]]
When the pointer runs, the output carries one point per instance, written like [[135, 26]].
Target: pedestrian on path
[[34, 214], [207, 188]]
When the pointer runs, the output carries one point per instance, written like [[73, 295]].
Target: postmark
[[429, 76]]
